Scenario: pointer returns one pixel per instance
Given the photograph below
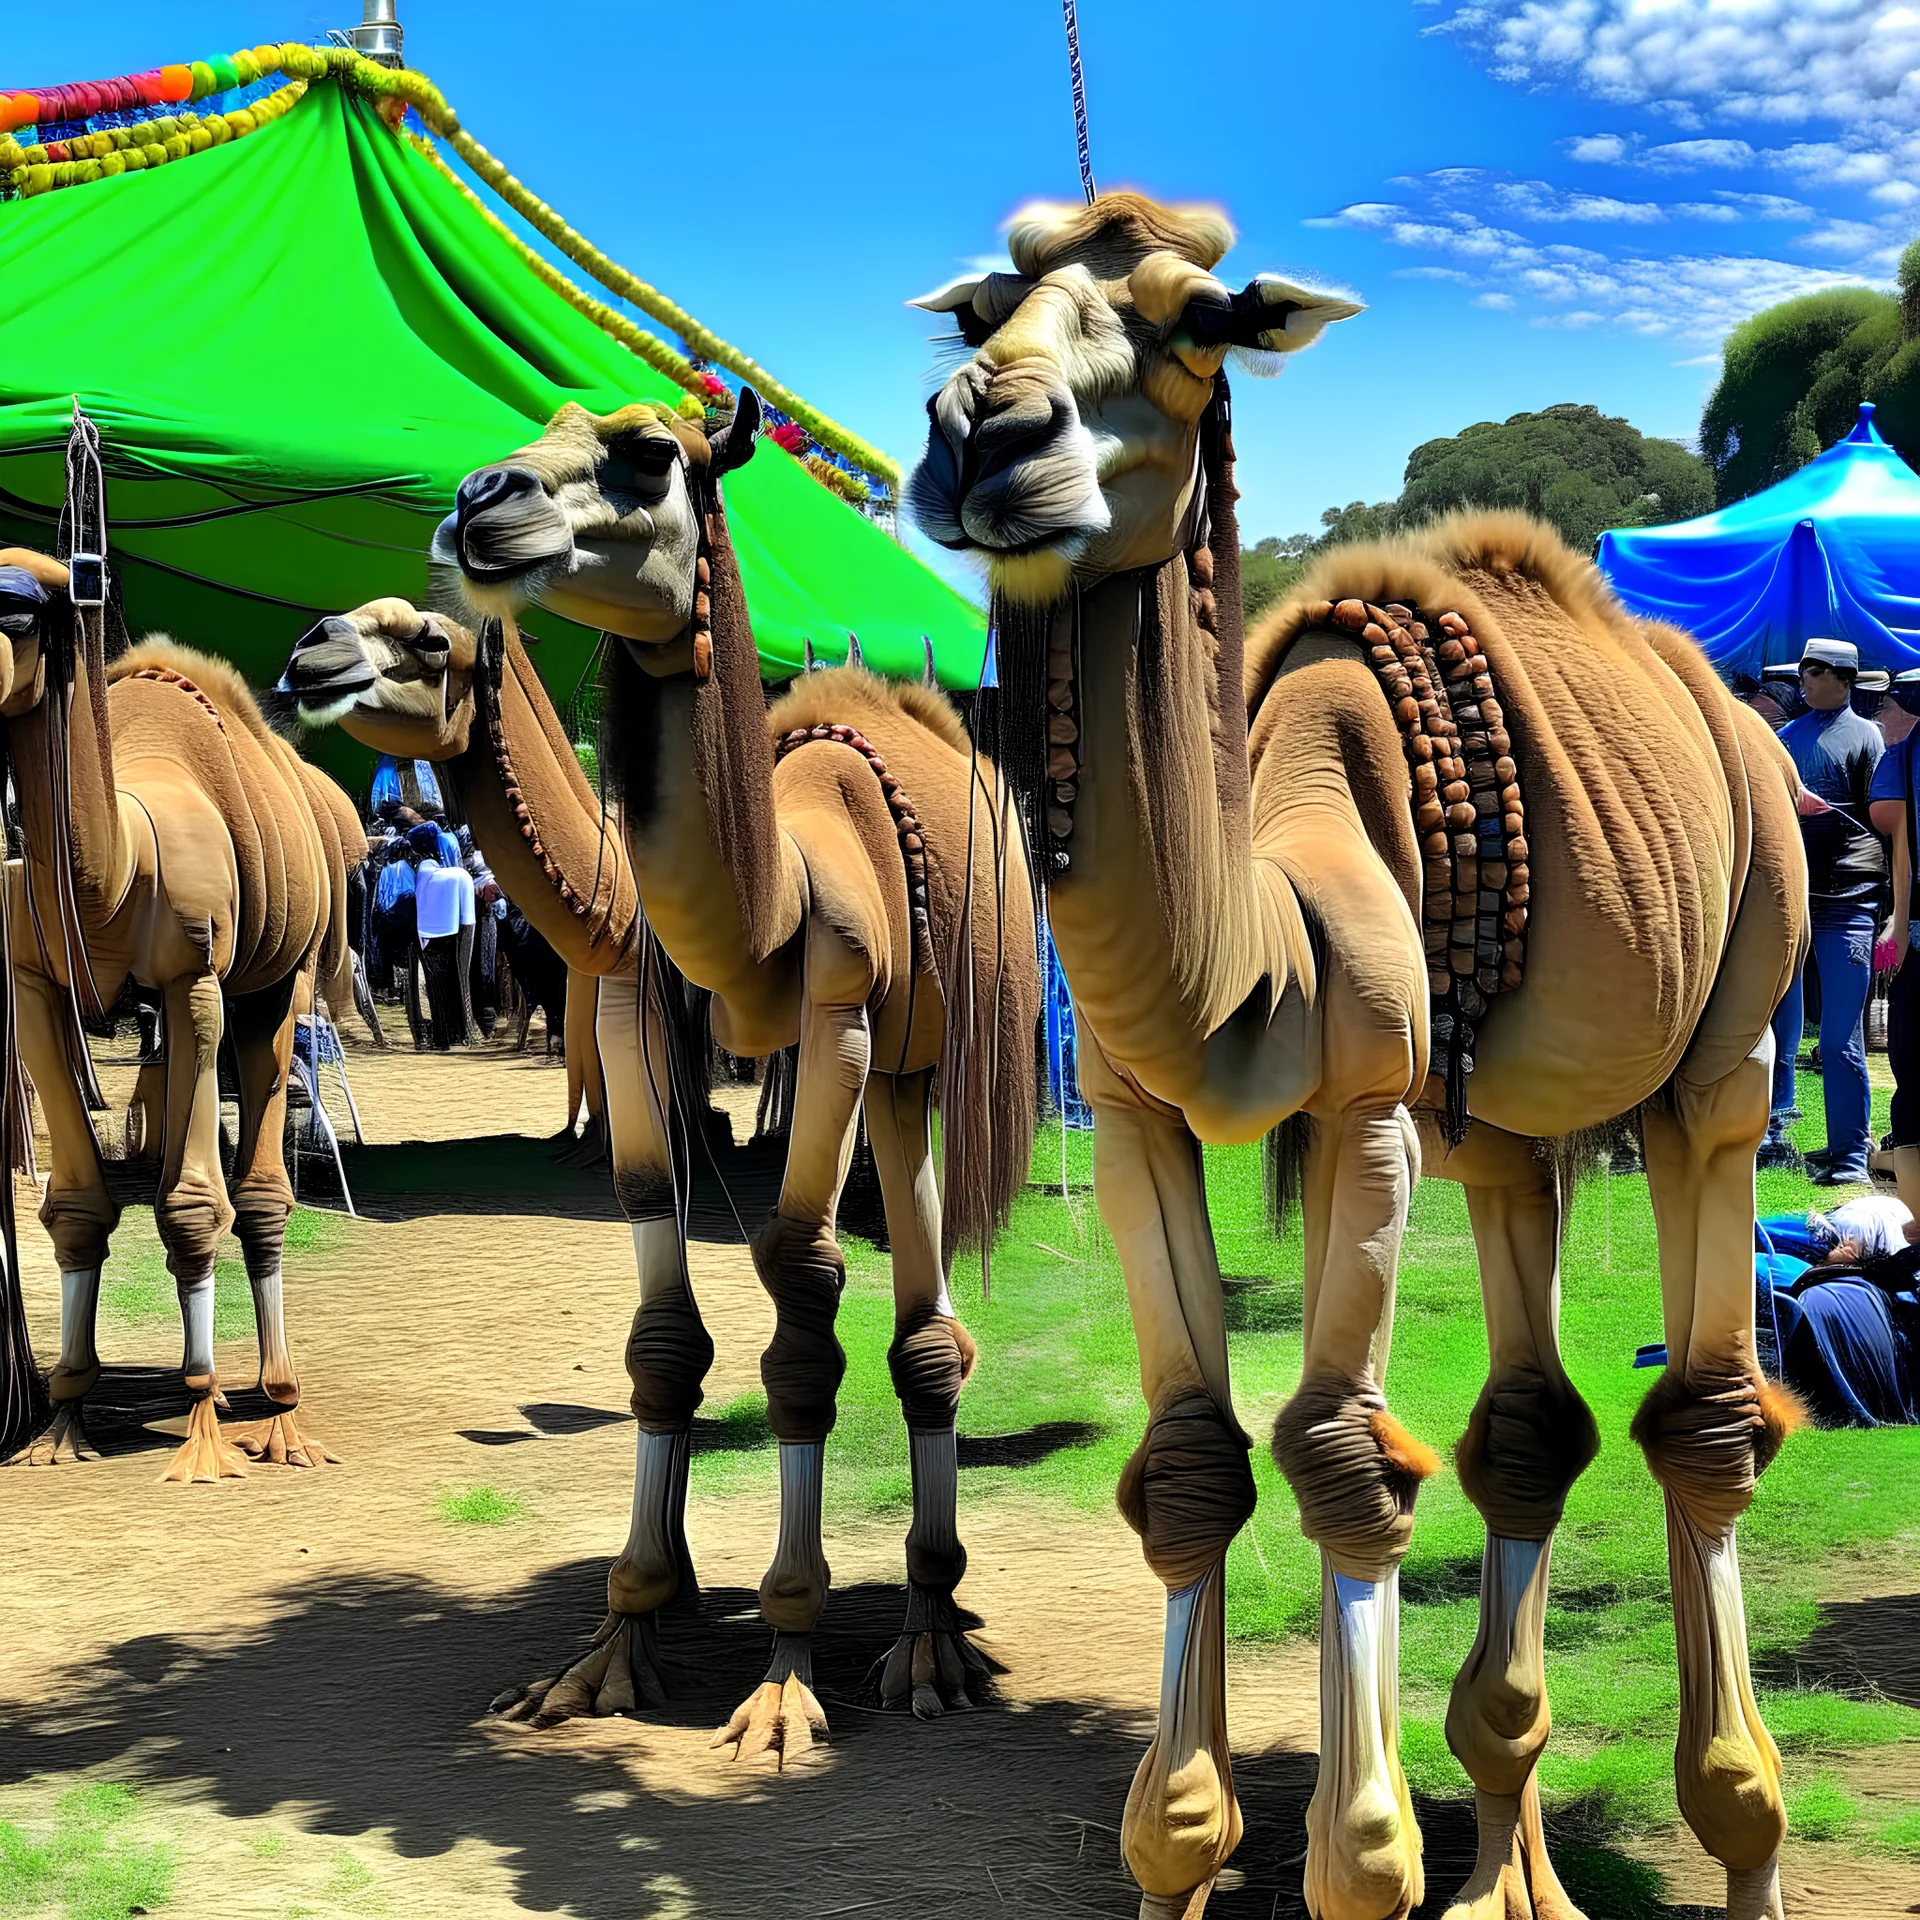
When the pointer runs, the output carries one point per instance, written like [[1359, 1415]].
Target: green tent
[[296, 343]]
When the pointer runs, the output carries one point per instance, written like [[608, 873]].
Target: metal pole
[[379, 34]]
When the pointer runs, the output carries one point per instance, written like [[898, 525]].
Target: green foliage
[[1821, 1809], [1902, 1832], [91, 1866], [136, 1290], [480, 1507], [1580, 470], [1792, 383], [589, 757]]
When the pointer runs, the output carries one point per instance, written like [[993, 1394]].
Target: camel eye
[[637, 466], [974, 330]]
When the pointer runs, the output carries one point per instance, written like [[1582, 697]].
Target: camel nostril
[[491, 487]]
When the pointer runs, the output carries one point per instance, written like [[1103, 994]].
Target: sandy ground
[[295, 1667]]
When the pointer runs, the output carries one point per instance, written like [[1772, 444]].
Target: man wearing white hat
[[1837, 753]]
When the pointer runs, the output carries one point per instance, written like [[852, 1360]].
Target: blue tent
[[1833, 551]]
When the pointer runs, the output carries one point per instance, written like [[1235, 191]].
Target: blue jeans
[[1843, 951]]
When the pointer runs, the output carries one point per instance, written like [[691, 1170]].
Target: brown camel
[[1261, 906], [173, 839], [840, 873]]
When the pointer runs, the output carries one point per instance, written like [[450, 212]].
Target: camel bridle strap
[[906, 823], [1471, 819]]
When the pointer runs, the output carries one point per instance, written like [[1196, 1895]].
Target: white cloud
[[1843, 240], [1718, 211], [1766, 206], [1537, 200], [1599, 149], [1499, 302], [1779, 61], [1698, 296]]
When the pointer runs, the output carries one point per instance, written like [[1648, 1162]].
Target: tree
[[1270, 568], [1792, 383], [1577, 468]]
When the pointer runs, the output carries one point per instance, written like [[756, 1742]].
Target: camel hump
[[852, 696], [160, 657]]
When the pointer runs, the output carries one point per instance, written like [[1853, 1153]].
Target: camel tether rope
[[1471, 819]]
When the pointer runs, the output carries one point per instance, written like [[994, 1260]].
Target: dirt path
[[294, 1668]]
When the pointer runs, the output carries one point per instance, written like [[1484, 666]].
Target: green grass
[[480, 1507], [88, 1865], [1056, 1344], [136, 1290]]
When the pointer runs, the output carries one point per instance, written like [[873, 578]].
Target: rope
[[1079, 99]]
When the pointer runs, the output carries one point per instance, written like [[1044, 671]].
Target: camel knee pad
[[1527, 1442], [931, 1356], [800, 1265], [1355, 1471], [1707, 1443], [668, 1353], [1188, 1488]]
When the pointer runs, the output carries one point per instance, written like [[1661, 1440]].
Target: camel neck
[[69, 801], [540, 825], [1163, 905]]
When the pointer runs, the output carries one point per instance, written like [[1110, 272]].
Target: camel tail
[[984, 1085]]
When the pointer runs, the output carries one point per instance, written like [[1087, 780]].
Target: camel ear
[[732, 446], [1268, 317]]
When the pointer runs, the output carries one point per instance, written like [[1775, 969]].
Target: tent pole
[[379, 34]]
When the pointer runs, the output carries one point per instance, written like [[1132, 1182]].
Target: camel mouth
[[1010, 481], [329, 672]]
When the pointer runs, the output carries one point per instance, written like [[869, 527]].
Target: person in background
[[1892, 812], [1837, 753], [444, 909]]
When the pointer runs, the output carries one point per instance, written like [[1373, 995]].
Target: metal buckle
[[87, 579]]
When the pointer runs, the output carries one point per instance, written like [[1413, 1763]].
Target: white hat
[[1842, 654]]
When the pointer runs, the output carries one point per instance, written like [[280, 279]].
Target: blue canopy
[[1832, 551]]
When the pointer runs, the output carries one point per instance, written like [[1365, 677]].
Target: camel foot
[[618, 1673], [66, 1440], [280, 1441], [780, 1719], [1175, 1906], [928, 1667], [205, 1454], [1754, 1893]]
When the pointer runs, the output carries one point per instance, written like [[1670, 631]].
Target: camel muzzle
[[329, 666], [1009, 466], [505, 524]]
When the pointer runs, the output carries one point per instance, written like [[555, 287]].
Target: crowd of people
[[436, 933], [1852, 737]]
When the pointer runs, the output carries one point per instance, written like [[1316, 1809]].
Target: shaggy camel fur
[[1084, 452], [173, 838], [811, 867]]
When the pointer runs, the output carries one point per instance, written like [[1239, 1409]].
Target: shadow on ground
[[361, 1703], [1869, 1647]]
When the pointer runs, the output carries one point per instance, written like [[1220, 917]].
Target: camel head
[[28, 583], [1068, 440], [399, 680], [601, 519]]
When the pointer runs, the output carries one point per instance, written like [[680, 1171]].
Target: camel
[[839, 872], [1285, 909], [173, 838]]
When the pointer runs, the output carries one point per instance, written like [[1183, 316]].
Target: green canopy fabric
[[295, 346]]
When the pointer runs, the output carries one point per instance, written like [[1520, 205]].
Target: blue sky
[[1540, 200]]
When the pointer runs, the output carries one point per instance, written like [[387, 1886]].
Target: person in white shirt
[[444, 911], [1869, 1228]]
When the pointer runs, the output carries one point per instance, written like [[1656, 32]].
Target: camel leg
[[1186, 1491], [931, 1356], [192, 1213], [668, 1354], [799, 1263], [1530, 1437], [1355, 1471], [150, 1104], [78, 1214], [262, 1198], [1709, 1428]]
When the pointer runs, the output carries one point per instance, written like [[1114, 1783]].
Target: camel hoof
[[780, 1720], [280, 1441], [65, 1441], [928, 1667], [618, 1673], [205, 1455]]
